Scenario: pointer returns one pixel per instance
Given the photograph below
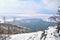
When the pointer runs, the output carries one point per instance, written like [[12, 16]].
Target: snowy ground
[[27, 36], [50, 34]]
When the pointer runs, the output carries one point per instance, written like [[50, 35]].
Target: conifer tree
[[58, 20]]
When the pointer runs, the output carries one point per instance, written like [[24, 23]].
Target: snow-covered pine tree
[[58, 20]]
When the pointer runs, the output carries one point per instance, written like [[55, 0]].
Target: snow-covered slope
[[27, 36], [50, 34]]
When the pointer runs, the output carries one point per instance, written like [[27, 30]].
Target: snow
[[51, 34], [26, 36]]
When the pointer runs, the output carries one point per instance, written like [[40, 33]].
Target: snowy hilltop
[[50, 34]]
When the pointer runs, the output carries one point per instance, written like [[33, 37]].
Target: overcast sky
[[29, 8]]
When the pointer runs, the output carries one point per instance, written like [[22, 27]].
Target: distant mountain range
[[53, 18], [34, 24]]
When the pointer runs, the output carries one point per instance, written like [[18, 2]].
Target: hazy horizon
[[28, 8]]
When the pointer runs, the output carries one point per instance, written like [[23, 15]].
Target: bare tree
[[4, 19], [38, 27], [14, 19]]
